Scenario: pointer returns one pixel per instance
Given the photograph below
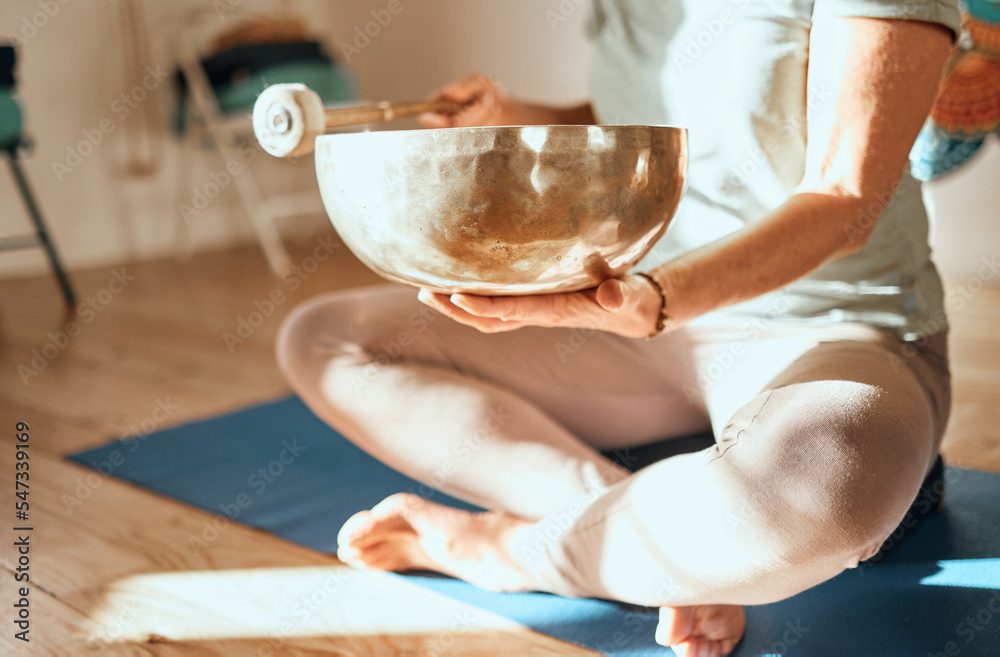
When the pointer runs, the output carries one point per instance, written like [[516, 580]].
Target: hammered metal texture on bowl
[[502, 210]]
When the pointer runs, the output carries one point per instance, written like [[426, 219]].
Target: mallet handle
[[384, 111]]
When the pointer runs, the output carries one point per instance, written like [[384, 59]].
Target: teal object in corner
[[10, 119], [333, 85]]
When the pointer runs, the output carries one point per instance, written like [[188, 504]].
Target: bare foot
[[701, 630], [408, 532]]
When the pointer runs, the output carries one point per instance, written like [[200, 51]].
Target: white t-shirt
[[733, 72]]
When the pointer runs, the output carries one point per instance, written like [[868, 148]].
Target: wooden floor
[[114, 574]]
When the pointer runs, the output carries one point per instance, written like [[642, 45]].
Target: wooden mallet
[[287, 118]]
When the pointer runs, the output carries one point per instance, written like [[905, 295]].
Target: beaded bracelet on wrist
[[664, 321]]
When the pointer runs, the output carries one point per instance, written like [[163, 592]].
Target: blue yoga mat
[[277, 467]]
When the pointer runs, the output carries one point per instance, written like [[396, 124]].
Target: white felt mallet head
[[287, 118]]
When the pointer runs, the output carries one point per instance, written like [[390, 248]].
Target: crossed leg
[[810, 433]]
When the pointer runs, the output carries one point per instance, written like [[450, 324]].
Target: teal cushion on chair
[[333, 85], [10, 119]]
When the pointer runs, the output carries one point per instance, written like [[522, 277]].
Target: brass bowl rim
[[503, 128]]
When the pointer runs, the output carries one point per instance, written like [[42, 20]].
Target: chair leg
[[261, 218], [43, 233]]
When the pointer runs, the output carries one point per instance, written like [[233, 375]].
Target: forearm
[[798, 237]]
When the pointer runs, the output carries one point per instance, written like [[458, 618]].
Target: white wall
[[965, 214], [70, 75]]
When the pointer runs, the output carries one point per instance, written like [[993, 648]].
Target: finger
[[478, 305], [508, 309], [435, 120], [483, 324], [474, 114], [459, 92], [348, 531], [469, 111], [469, 87], [682, 650], [480, 103], [439, 302], [442, 303], [466, 90], [610, 295], [426, 297]]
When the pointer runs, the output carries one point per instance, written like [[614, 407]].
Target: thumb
[[610, 295]]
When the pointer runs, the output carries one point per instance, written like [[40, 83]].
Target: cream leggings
[[824, 436]]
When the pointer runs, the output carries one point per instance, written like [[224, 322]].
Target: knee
[[294, 336], [355, 336], [832, 469], [887, 445], [311, 335]]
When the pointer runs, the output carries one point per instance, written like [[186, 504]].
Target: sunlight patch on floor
[[971, 573], [277, 603]]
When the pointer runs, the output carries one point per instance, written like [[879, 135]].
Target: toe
[[360, 559], [399, 504], [352, 529], [701, 630], [699, 647], [391, 555], [720, 621], [675, 625]]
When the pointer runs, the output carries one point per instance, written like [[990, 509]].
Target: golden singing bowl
[[502, 210]]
